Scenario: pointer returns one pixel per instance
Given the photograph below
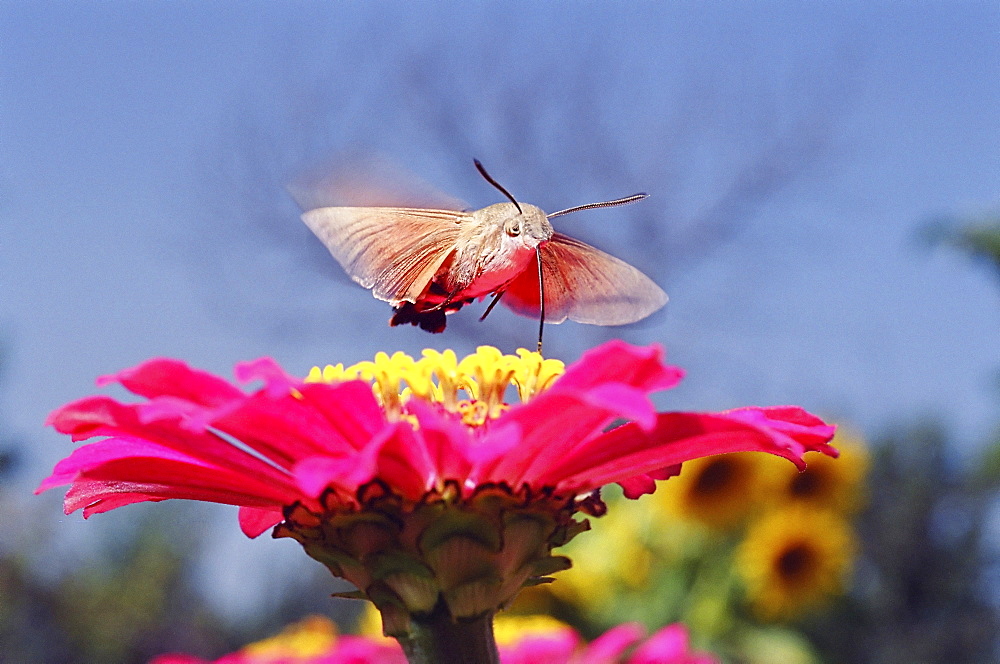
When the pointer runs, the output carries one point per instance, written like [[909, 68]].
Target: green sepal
[[537, 581], [459, 523], [550, 565], [386, 563]]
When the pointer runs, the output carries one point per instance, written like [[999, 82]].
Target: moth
[[429, 263]]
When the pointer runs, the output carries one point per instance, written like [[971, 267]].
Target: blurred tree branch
[[979, 237], [921, 592]]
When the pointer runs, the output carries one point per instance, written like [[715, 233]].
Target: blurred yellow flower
[[835, 484], [598, 569], [370, 623], [310, 637], [601, 573], [509, 629], [794, 558], [715, 491]]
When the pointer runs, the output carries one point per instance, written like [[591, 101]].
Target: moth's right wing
[[395, 252], [584, 284]]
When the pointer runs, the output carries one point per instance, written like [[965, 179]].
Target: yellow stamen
[[483, 376], [534, 374]]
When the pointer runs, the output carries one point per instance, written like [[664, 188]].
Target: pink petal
[[165, 377], [159, 479], [404, 461], [555, 647], [350, 471], [617, 361], [627, 451], [608, 647], [188, 415], [276, 382], [85, 418], [325, 420], [627, 402], [638, 486], [255, 520], [443, 444], [349, 408], [93, 455], [669, 646], [803, 431], [666, 646], [609, 382], [315, 474], [178, 658], [553, 425], [360, 650], [501, 439]]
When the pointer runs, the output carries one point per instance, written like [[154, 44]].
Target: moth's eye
[[514, 228]]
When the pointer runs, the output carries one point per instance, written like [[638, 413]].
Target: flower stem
[[437, 638]]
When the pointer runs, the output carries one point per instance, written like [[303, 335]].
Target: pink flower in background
[[413, 479], [624, 644], [532, 639]]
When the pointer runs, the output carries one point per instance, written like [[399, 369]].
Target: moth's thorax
[[496, 245]]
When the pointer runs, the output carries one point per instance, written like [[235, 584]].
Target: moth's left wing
[[393, 251], [366, 179], [584, 284]]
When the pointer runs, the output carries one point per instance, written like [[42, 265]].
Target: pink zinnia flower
[[431, 504], [556, 643]]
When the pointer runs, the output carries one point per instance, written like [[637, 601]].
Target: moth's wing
[[393, 251], [584, 284], [356, 179]]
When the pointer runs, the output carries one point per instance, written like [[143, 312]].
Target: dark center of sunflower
[[795, 561], [715, 477], [806, 484]]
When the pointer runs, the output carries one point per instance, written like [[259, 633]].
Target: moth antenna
[[590, 206], [541, 298], [493, 303], [482, 171]]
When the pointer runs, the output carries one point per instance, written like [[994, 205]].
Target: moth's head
[[521, 224]]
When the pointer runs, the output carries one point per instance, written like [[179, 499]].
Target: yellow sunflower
[[716, 491], [835, 484], [793, 559]]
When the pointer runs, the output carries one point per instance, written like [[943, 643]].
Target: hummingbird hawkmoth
[[428, 263]]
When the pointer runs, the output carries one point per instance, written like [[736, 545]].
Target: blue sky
[[143, 149]]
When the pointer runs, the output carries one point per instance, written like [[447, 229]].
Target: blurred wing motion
[[586, 285], [363, 179], [395, 252]]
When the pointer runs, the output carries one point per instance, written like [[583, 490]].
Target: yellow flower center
[[483, 377]]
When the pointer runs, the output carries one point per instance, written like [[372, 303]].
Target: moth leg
[[447, 301], [493, 303]]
